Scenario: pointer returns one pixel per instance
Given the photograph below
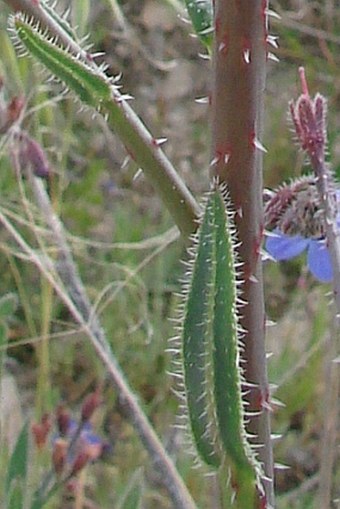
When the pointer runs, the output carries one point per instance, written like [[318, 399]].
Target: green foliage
[[139, 336], [8, 305], [81, 10], [201, 15], [211, 352], [91, 88], [132, 496], [17, 471], [197, 324], [62, 22]]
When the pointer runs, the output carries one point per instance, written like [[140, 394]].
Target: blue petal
[[92, 439], [319, 261], [284, 247], [337, 192]]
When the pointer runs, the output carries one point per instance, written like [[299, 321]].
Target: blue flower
[[284, 247], [87, 440]]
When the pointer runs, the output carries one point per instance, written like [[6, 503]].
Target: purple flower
[[87, 440], [284, 247], [294, 215]]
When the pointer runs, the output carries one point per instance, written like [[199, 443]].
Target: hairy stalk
[[80, 308], [240, 53], [330, 408], [140, 144], [309, 118]]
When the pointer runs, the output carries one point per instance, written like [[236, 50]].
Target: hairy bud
[[59, 455], [40, 431], [90, 404], [295, 209], [63, 420]]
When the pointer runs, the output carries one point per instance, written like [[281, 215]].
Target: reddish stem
[[237, 111]]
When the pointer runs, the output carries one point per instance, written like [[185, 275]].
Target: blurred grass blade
[[201, 15], [132, 496], [17, 467], [3, 340], [16, 497], [8, 305], [80, 15]]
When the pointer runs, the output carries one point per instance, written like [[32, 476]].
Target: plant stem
[[330, 406], [237, 118], [328, 444], [84, 314], [330, 207]]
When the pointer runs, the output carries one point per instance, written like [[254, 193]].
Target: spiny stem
[[240, 52]]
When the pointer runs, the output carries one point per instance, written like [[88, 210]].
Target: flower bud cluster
[[74, 444], [295, 209], [26, 152], [309, 119]]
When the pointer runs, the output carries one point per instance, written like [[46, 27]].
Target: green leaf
[[227, 353], [227, 370], [132, 496], [16, 497], [196, 336], [201, 15], [8, 305], [38, 504], [17, 468], [92, 88], [212, 350], [3, 337], [80, 15]]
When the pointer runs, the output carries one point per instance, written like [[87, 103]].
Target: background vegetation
[[129, 258]]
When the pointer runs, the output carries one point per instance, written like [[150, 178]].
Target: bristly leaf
[[227, 353], [226, 349], [88, 81], [196, 336], [91, 88], [211, 352], [201, 15]]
